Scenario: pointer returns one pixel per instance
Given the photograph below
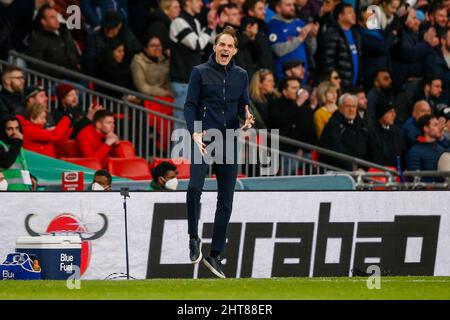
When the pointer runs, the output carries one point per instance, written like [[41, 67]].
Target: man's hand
[[249, 119], [93, 108], [111, 139], [302, 96], [198, 139], [17, 135]]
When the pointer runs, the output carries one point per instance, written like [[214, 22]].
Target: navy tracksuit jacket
[[216, 96]]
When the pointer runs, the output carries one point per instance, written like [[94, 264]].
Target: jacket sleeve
[[412, 52], [44, 135], [244, 99], [192, 99], [330, 44], [413, 160], [7, 158], [87, 150]]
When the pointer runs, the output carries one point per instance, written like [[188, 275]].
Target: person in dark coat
[[381, 90], [292, 115], [11, 95], [410, 52], [430, 90], [410, 128], [345, 133], [376, 48], [161, 19], [113, 68], [342, 47], [424, 155], [386, 143], [53, 43], [438, 61], [112, 30]]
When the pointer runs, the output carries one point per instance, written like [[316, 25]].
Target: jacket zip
[[224, 99]]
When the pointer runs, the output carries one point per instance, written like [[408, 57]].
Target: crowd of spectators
[[373, 84]]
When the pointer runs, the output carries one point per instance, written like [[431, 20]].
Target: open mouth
[[224, 55]]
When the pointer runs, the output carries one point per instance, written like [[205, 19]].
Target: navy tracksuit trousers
[[226, 179]]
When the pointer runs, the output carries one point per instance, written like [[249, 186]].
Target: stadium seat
[[130, 168], [67, 149], [91, 163], [124, 149]]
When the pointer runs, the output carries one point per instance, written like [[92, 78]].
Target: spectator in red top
[[98, 140], [39, 139]]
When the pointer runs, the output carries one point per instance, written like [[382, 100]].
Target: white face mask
[[3, 185], [171, 184], [97, 187]]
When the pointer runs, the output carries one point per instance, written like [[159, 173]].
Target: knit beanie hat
[[382, 107], [63, 89]]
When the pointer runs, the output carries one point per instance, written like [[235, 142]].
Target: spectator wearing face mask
[[164, 177], [102, 181]]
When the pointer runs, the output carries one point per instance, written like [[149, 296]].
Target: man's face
[[12, 128], [434, 89], [286, 9], [348, 16], [420, 110], [169, 175], [50, 20], [362, 101], [433, 129], [225, 49], [440, 18], [412, 22], [71, 99], [391, 8], [290, 92], [388, 118], [103, 181], [234, 16], [296, 72], [39, 98], [195, 5], [383, 81], [106, 125], [15, 81], [349, 108], [259, 11]]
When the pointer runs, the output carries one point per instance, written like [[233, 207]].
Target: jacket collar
[[213, 63]]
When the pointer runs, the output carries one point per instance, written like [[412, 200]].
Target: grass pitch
[[233, 289]]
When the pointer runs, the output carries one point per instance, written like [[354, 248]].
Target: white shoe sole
[[206, 263], [200, 257]]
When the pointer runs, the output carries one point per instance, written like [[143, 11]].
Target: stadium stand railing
[[150, 132]]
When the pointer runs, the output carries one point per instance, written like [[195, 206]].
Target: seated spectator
[[332, 76], [37, 95], [164, 177], [53, 43], [328, 97], [292, 115], [150, 70], [112, 30], [160, 21], [11, 95], [95, 10], [410, 128], [68, 105], [345, 133], [262, 90], [39, 139], [430, 90], [113, 68], [410, 52], [97, 140], [381, 90], [438, 62], [102, 181], [437, 18], [386, 143], [388, 9], [424, 155], [362, 105], [13, 164]]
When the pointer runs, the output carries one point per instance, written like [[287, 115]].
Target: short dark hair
[[161, 169], [377, 73], [425, 121], [250, 5], [229, 5], [41, 13], [111, 20], [428, 80], [355, 90], [436, 7], [229, 31], [103, 173], [339, 9], [102, 114], [285, 82]]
